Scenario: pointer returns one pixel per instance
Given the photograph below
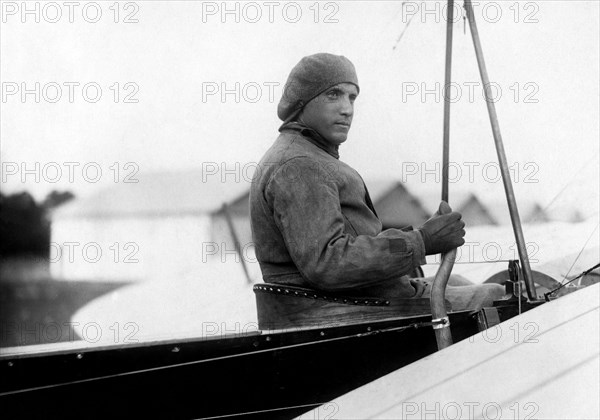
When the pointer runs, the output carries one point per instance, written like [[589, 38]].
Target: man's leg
[[473, 297], [460, 292], [464, 295], [458, 280]]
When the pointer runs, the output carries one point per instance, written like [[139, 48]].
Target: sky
[[195, 85]]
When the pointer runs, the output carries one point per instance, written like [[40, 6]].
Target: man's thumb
[[444, 208]]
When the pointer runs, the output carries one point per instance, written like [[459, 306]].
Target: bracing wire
[[580, 252], [404, 29]]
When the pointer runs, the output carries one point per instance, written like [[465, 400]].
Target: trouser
[[461, 293]]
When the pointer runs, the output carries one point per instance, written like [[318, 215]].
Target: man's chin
[[338, 139]]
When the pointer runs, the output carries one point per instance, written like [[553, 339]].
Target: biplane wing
[[544, 363]]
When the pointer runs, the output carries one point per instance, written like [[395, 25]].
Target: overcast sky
[[171, 61]]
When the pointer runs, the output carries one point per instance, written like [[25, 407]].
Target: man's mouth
[[343, 123]]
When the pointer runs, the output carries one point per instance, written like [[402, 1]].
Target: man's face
[[330, 113]]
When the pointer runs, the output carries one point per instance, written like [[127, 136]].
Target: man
[[313, 222]]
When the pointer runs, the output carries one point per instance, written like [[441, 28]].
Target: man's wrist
[[426, 239]]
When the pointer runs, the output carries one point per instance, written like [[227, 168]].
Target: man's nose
[[346, 107]]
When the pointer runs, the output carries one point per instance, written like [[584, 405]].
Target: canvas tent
[[475, 213], [396, 206]]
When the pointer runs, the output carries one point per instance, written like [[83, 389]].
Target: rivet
[[10, 364], [175, 350], [387, 302], [79, 356], [315, 296], [367, 302], [345, 301], [322, 333], [279, 290], [287, 291], [368, 328], [305, 294], [356, 301], [270, 289], [255, 344], [376, 302], [268, 338], [296, 293]]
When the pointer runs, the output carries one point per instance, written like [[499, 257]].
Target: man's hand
[[444, 231]]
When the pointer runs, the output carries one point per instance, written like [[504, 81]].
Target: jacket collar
[[312, 136]]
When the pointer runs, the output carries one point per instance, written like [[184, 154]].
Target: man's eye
[[333, 94]]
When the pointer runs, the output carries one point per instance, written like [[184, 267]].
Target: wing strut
[[508, 189]]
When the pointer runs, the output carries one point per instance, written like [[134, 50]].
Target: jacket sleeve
[[308, 214]]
